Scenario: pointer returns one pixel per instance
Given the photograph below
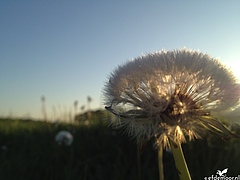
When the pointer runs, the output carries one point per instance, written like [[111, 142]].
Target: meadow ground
[[28, 151]]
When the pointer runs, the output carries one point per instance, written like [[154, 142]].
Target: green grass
[[100, 153]]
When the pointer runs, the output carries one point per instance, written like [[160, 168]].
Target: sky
[[65, 50]]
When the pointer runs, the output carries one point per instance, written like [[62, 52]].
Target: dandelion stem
[[180, 162], [139, 161], [160, 162]]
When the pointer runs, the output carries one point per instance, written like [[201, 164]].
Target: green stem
[[139, 161], [180, 162], [160, 162]]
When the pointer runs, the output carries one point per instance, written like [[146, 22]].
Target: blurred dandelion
[[82, 108], [75, 104], [173, 96], [44, 109], [64, 138], [89, 113]]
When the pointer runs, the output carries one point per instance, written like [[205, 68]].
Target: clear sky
[[64, 50]]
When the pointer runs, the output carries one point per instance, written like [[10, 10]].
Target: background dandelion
[[44, 110], [89, 100], [64, 138]]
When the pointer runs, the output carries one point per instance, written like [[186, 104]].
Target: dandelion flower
[[64, 138], [175, 95]]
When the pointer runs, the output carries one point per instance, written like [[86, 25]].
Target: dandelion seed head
[[64, 138], [171, 95]]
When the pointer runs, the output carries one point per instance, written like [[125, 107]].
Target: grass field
[[28, 151]]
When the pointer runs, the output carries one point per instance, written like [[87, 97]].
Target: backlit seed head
[[177, 95], [64, 138]]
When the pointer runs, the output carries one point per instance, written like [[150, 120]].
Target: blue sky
[[65, 50]]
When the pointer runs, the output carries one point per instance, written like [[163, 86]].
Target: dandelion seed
[[178, 95], [64, 138]]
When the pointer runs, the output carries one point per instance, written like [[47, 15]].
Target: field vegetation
[[28, 151]]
